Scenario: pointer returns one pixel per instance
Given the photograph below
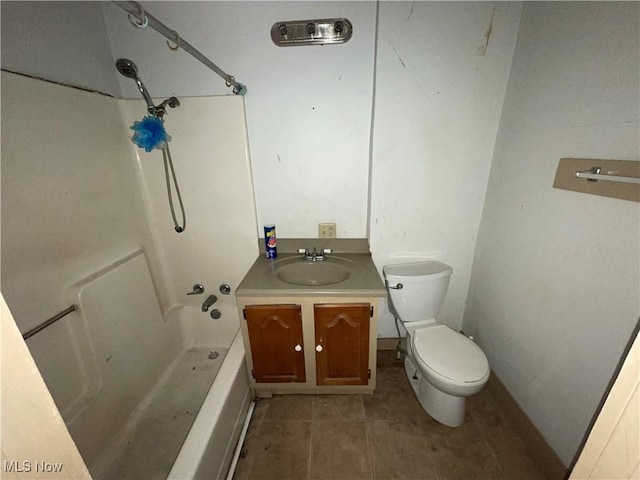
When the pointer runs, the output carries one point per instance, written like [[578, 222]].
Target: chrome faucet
[[315, 255], [211, 299]]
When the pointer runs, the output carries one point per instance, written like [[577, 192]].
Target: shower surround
[[85, 220]]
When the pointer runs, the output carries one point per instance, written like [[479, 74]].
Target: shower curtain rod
[[136, 11]]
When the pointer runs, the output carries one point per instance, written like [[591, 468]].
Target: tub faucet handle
[[198, 289]]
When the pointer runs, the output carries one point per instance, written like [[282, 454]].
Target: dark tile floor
[[386, 435]]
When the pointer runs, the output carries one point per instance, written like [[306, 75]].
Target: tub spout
[[211, 299]]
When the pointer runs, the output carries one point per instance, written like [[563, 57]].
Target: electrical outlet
[[326, 230]]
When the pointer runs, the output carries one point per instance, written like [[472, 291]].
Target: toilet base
[[442, 407]]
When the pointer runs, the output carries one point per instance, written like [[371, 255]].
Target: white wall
[[65, 42], [308, 108], [69, 208], [554, 291], [439, 89], [69, 201], [69, 195]]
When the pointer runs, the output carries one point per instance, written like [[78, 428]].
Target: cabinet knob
[[298, 348], [318, 348]]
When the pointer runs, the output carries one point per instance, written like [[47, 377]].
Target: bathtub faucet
[[211, 299]]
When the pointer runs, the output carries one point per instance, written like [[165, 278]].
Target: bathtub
[[177, 436], [208, 449], [145, 395]]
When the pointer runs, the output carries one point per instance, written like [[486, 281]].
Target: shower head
[[129, 69]]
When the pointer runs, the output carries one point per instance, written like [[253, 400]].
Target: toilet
[[443, 366]]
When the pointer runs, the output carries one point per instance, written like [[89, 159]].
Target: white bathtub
[[178, 419], [208, 449], [145, 396]]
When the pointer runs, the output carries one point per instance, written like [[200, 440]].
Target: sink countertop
[[261, 279]]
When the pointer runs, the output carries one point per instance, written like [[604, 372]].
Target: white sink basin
[[327, 272]]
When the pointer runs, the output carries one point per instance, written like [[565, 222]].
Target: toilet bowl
[[443, 366]]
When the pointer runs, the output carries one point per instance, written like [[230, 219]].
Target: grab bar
[[50, 321]]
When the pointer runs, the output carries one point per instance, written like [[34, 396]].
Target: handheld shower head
[[129, 69], [159, 137]]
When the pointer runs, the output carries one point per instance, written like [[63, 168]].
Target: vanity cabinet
[[310, 345]]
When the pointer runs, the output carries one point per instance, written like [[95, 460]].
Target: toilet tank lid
[[431, 268]]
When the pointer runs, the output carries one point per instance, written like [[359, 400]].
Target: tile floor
[[386, 435]]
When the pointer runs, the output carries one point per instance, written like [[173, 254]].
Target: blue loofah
[[150, 133]]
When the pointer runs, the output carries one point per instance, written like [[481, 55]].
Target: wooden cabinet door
[[277, 349], [342, 343]]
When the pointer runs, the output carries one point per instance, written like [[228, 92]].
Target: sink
[[327, 272]]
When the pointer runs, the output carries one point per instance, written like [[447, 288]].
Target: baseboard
[[544, 456], [389, 343]]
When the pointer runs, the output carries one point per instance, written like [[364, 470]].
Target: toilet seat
[[449, 354]]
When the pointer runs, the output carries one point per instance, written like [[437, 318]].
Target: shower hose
[[168, 165]]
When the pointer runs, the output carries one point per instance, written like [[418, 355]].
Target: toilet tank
[[424, 286]]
